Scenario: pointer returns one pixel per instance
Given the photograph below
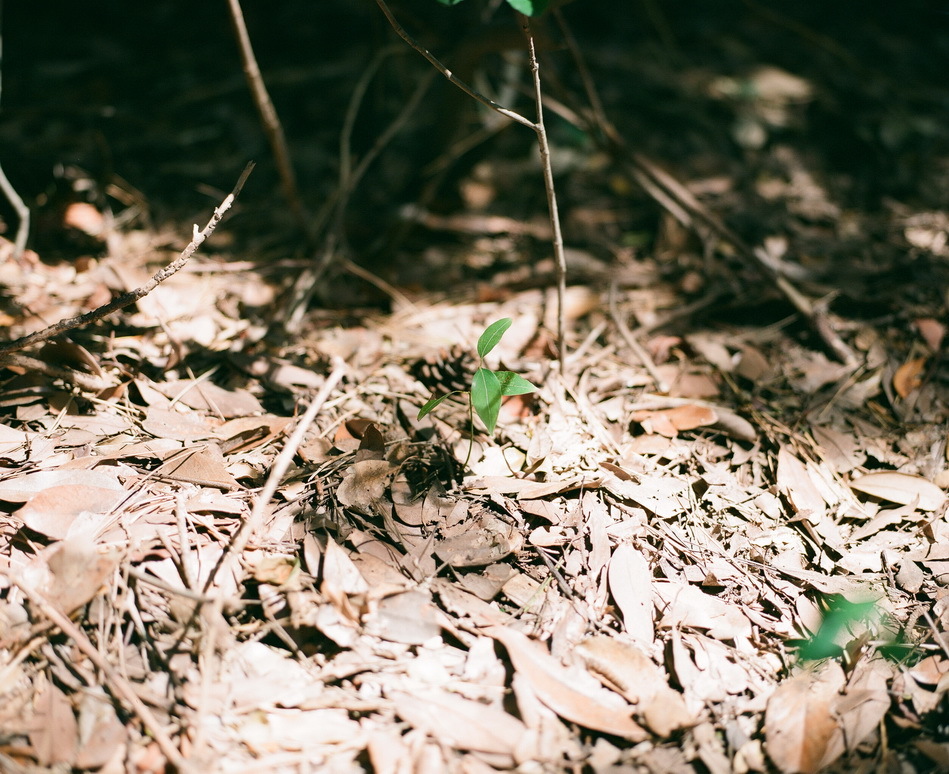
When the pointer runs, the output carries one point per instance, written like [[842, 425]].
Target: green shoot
[[487, 386]]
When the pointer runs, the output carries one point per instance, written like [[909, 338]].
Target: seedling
[[487, 386]]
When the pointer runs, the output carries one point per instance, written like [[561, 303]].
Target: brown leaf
[[202, 465], [901, 488], [669, 422], [795, 483], [909, 376], [365, 484], [460, 723], [55, 738], [799, 722], [551, 683], [631, 586], [624, 668]]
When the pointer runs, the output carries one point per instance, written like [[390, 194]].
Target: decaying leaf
[[901, 488]]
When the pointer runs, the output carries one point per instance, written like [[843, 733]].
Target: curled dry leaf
[[909, 376], [670, 422], [624, 668], [901, 488]]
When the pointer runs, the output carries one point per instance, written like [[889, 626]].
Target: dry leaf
[[551, 682], [669, 422], [901, 488], [631, 586], [909, 376], [460, 723], [56, 736], [799, 720]]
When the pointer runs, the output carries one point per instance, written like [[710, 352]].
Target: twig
[[88, 382], [448, 73], [633, 343], [22, 213], [132, 296], [538, 129], [118, 684], [270, 119], [281, 465], [544, 147]]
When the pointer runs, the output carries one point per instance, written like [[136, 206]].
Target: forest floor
[[714, 539]]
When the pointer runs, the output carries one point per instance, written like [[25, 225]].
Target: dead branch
[[134, 295], [271, 121]]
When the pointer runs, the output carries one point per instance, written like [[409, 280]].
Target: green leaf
[[492, 335], [529, 7], [433, 403], [486, 397], [513, 384], [449, 2]]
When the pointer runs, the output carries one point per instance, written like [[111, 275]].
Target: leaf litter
[[628, 579]]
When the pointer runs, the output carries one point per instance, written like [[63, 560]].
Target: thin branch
[[277, 471], [544, 146], [270, 119], [134, 295], [448, 73]]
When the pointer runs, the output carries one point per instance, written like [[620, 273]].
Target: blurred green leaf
[[529, 7]]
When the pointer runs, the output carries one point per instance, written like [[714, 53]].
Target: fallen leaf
[[900, 488], [460, 723], [799, 721], [631, 586], [909, 376], [550, 681]]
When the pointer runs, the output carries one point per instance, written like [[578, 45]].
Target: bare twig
[[134, 295], [253, 522], [514, 116], [271, 122], [118, 684], [633, 343], [544, 147], [83, 381]]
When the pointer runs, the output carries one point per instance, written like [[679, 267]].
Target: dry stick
[[281, 465], [22, 213], [448, 73], [134, 295], [538, 129], [118, 684], [232, 554], [271, 122], [544, 147]]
